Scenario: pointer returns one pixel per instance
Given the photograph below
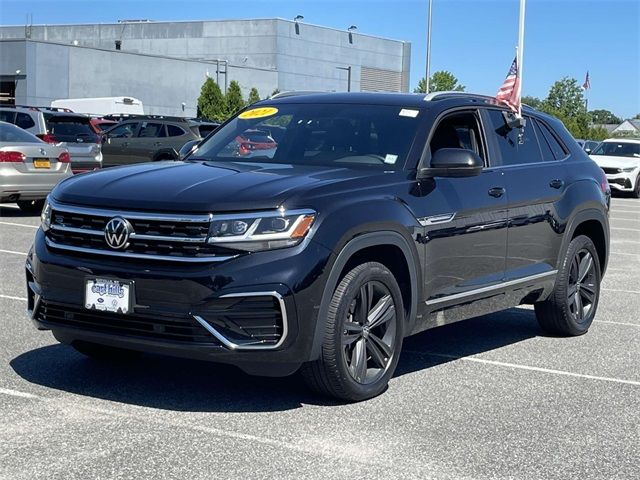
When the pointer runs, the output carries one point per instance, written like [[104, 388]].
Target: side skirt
[[485, 300]]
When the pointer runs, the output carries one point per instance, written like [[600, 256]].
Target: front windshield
[[618, 149], [341, 135]]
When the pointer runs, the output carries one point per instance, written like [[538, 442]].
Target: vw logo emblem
[[117, 232], [43, 151]]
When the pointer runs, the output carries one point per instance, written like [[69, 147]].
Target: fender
[[353, 246], [580, 217]]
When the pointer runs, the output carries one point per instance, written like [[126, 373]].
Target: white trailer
[[101, 106]]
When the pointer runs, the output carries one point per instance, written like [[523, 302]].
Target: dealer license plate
[[107, 295], [41, 163]]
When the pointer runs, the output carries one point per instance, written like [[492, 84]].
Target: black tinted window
[[11, 133], [547, 153], [558, 150], [513, 152], [24, 121], [125, 130], [459, 130], [174, 131], [7, 116]]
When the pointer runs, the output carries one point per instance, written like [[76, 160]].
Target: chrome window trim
[[498, 286], [114, 253], [234, 346]]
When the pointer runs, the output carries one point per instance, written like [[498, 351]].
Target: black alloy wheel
[[582, 288]]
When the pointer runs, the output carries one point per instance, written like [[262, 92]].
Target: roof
[[417, 100]]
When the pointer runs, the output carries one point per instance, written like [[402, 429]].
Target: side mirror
[[453, 162], [587, 150]]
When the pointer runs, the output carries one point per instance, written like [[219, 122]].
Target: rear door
[[465, 219], [536, 182], [150, 138]]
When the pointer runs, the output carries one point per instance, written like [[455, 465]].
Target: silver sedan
[[29, 167]]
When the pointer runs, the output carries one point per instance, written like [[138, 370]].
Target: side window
[[125, 130], [174, 131], [458, 130], [151, 130], [513, 152], [558, 150], [547, 153], [24, 121], [7, 116]]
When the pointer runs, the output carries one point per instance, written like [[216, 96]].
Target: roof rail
[[33, 107], [139, 116], [449, 93], [294, 93]]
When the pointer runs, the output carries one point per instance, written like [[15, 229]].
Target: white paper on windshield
[[406, 112], [390, 158]]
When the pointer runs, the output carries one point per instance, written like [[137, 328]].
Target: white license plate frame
[[108, 295]]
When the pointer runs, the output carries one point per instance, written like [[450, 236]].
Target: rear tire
[[104, 353], [31, 206], [570, 309], [362, 338]]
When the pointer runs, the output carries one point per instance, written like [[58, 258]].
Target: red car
[[100, 124]]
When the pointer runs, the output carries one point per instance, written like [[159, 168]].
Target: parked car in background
[[100, 124], [29, 167], [587, 145], [620, 160], [204, 127], [146, 138], [53, 125], [188, 148]]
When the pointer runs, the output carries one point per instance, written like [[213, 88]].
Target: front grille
[[182, 329], [611, 170], [178, 237], [247, 320]]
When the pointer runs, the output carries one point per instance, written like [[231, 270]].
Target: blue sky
[[474, 39]]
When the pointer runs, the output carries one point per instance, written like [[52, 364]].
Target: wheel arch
[[165, 154], [594, 224], [387, 247]]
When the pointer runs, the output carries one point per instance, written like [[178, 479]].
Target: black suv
[[145, 138], [353, 221]]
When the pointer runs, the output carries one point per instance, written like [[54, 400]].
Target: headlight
[[45, 216], [629, 169], [261, 231]]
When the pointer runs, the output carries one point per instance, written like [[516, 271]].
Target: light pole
[[426, 79], [15, 87], [348, 69]]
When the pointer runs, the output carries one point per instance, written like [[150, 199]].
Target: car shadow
[[11, 211], [187, 385]]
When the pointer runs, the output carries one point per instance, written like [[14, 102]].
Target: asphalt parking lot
[[487, 398]]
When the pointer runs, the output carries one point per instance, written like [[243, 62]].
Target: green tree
[[597, 133], [440, 81], [600, 117], [275, 92], [566, 102], [533, 102], [254, 96], [211, 102], [637, 117], [233, 98]]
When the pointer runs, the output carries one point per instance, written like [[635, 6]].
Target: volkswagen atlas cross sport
[[369, 218]]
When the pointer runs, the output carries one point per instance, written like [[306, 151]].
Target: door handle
[[556, 183], [497, 192], [157, 144]]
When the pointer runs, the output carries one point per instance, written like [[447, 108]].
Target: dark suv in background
[[147, 138], [360, 220]]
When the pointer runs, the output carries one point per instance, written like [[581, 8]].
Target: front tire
[[363, 336], [31, 206], [636, 190], [570, 309]]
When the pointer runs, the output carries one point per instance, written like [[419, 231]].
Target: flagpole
[[426, 79], [520, 50]]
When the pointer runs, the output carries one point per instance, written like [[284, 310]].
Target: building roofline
[[116, 23]]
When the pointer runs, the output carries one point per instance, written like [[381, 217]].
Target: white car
[[620, 160]]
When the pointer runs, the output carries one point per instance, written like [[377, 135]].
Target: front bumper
[[624, 181], [173, 303]]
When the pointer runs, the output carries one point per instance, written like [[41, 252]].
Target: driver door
[[115, 149]]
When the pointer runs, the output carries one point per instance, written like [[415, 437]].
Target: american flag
[[587, 83], [509, 92]]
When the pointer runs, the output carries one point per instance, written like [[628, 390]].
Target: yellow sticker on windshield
[[258, 113]]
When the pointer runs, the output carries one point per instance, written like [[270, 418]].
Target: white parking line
[[620, 291], [618, 323], [625, 229], [613, 254], [20, 225], [12, 252], [16, 393], [21, 299], [528, 367]]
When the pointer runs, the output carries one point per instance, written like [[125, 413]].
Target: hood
[[615, 161], [197, 186]]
